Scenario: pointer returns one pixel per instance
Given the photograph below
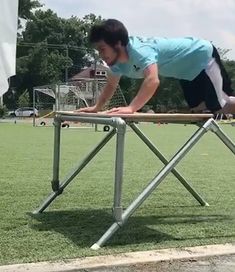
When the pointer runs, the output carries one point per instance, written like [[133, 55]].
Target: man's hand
[[106, 94], [92, 109], [121, 110]]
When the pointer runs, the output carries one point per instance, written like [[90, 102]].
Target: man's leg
[[211, 89], [222, 84], [229, 107], [200, 108], [193, 94], [216, 93]]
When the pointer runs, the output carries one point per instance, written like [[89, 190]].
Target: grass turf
[[171, 217]]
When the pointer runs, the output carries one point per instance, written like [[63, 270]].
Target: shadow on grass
[[84, 227]]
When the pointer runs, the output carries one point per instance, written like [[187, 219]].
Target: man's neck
[[123, 55]]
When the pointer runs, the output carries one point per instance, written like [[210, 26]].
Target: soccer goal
[[68, 97]]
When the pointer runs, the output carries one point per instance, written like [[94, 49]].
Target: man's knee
[[229, 106]]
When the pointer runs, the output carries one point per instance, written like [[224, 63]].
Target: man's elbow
[[155, 82]]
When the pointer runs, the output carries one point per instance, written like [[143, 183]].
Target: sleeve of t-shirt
[[145, 56], [115, 70]]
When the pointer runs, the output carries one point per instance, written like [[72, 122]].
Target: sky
[[213, 20]]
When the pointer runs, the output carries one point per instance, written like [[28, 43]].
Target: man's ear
[[118, 44]]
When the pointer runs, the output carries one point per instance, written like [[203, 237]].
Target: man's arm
[[146, 91], [147, 88], [107, 93]]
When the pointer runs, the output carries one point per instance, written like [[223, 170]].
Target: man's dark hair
[[110, 31]]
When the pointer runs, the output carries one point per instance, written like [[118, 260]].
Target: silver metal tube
[[108, 234], [121, 129], [86, 119], [153, 184], [165, 171], [56, 158], [34, 105], [46, 202], [223, 137], [87, 159], [74, 172], [154, 149]]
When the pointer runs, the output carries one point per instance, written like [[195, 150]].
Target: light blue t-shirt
[[182, 58]]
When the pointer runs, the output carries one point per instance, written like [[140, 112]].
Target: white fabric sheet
[[8, 37]]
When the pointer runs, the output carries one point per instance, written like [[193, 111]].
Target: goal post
[[83, 92]]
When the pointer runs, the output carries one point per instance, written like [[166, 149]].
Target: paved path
[[143, 259]]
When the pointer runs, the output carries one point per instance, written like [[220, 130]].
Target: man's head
[[109, 38]]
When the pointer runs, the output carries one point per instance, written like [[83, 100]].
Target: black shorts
[[203, 89]]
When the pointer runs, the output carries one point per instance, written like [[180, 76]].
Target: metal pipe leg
[[153, 184], [75, 172], [117, 208], [223, 137], [154, 149], [56, 159]]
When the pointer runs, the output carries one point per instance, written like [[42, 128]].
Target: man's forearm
[[147, 90]]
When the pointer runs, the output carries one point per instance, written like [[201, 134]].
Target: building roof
[[89, 72]]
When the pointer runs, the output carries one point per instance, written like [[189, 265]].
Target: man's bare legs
[[229, 106], [200, 108]]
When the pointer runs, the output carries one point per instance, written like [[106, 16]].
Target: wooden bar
[[145, 117]]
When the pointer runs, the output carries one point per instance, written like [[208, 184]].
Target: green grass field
[[171, 217]]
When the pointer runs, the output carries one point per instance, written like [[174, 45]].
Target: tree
[[129, 87], [24, 99], [69, 36], [223, 52], [48, 47], [168, 96], [86, 23], [25, 9], [230, 68], [42, 55]]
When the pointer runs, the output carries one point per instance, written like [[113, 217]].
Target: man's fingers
[[112, 110], [88, 110], [81, 110]]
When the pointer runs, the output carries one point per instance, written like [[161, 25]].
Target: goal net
[[72, 96]]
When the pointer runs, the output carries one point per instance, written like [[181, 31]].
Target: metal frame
[[119, 128]]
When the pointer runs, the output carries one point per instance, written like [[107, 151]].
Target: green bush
[[3, 111]]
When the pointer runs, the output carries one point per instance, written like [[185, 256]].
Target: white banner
[[8, 38]]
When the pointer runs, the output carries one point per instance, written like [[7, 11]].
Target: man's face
[[107, 53]]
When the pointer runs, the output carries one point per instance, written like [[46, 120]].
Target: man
[[196, 63]]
